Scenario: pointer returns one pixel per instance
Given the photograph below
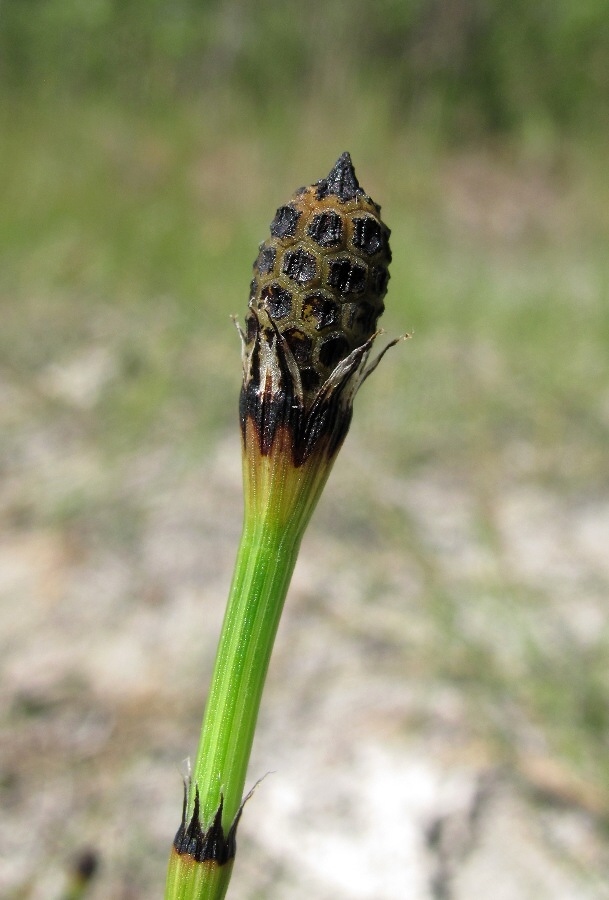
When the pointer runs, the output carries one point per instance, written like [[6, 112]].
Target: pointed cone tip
[[341, 180], [344, 162]]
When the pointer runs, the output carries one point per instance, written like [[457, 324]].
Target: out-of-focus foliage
[[460, 66]]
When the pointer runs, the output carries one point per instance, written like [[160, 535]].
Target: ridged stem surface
[[191, 880], [279, 501], [264, 566]]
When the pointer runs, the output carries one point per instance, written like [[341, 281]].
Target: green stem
[[279, 501], [190, 880], [264, 566]]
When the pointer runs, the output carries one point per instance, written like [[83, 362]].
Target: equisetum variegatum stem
[[315, 299]]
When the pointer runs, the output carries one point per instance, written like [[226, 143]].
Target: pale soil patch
[[385, 783]]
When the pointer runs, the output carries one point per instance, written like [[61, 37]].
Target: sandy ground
[[385, 780]]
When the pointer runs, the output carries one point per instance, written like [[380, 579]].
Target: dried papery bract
[[315, 300]]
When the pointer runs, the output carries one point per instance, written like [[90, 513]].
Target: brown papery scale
[[315, 298]]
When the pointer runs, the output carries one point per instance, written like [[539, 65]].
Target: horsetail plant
[[315, 299]]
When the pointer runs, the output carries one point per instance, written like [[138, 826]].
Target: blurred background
[[436, 718]]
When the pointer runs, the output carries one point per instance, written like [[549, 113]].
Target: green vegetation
[[463, 67]]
